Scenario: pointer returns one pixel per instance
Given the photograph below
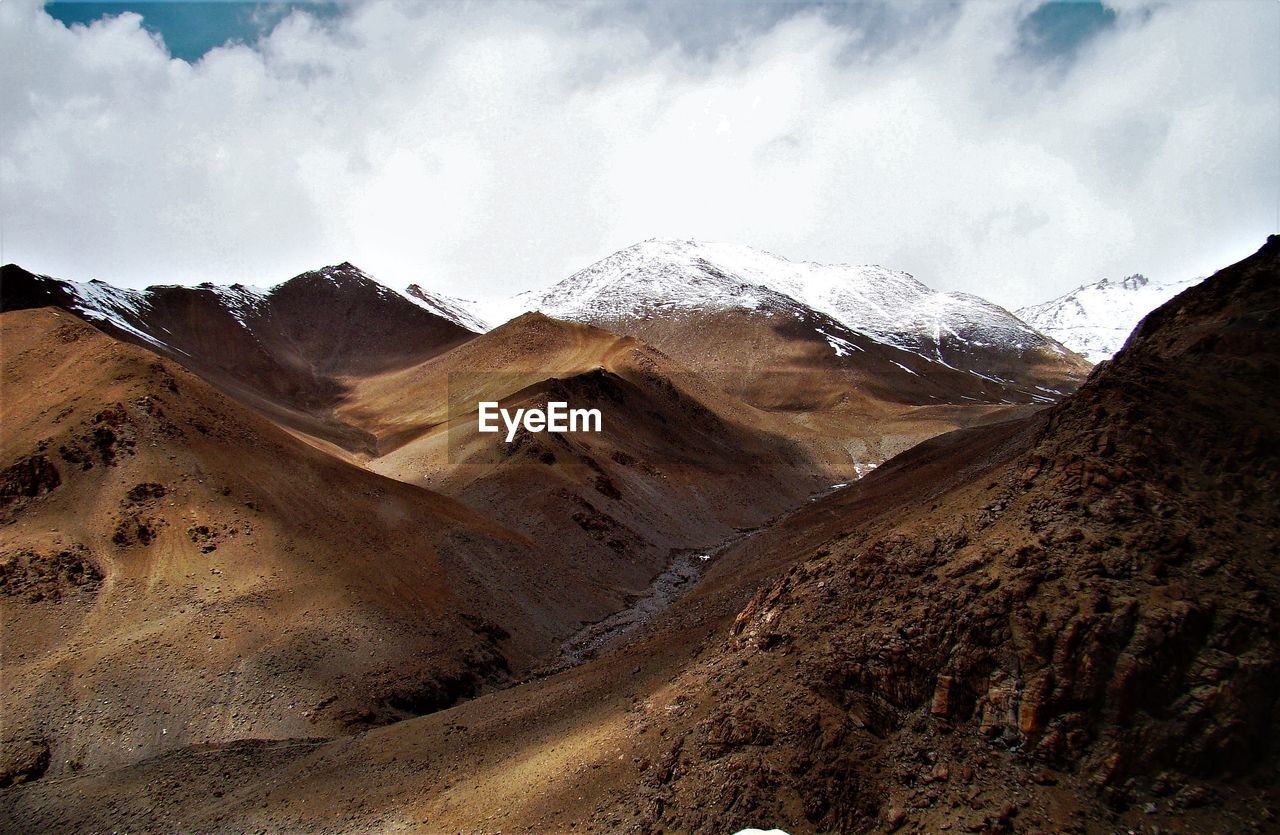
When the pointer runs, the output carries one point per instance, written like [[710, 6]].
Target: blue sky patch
[[191, 28], [1059, 29]]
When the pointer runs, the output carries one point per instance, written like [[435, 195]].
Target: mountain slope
[[676, 464], [459, 311], [297, 353], [285, 351], [176, 570], [1095, 319], [1083, 603], [1064, 622]]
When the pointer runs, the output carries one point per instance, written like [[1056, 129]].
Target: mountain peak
[[335, 277], [683, 275], [14, 269], [1095, 319], [345, 270]]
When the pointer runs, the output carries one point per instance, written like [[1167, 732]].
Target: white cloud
[[483, 149]]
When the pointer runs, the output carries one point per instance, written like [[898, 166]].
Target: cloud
[[484, 149]]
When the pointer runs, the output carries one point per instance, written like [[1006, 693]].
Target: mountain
[[298, 351], [745, 313], [176, 570], [1095, 319], [150, 508], [1069, 615], [1066, 621], [676, 466], [888, 305], [286, 351]]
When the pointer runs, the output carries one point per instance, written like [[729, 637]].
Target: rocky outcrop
[[32, 476], [34, 577]]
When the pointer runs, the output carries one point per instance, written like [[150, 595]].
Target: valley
[[658, 417], [822, 566]]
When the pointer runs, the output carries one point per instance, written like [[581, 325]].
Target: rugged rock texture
[[1097, 606]]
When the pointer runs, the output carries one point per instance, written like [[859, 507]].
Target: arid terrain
[[257, 579]]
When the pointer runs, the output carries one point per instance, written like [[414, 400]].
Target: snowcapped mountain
[[128, 310], [143, 314], [890, 306], [124, 308], [461, 312], [797, 335], [1095, 320]]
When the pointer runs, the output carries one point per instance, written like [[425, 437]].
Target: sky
[[1011, 149]]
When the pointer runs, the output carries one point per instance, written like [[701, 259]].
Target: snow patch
[[861, 470], [100, 302], [461, 312], [843, 347]]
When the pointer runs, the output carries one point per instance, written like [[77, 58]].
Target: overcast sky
[[480, 149]]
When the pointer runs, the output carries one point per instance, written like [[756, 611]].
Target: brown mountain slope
[[1093, 603], [286, 351], [677, 464], [864, 403], [176, 569], [421, 416], [785, 360], [1067, 622], [302, 352]]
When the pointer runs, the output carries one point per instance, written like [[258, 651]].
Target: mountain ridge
[[659, 287], [887, 305], [284, 350], [1095, 319], [783, 333]]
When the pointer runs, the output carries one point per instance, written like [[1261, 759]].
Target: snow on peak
[[1094, 320], [650, 276], [459, 311], [346, 269], [242, 301], [888, 305], [345, 274], [103, 303]]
